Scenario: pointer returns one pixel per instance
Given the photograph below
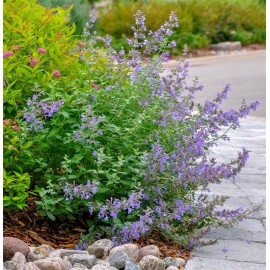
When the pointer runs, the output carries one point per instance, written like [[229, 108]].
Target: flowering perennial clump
[[133, 148]]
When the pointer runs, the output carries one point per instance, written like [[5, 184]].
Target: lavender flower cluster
[[177, 161], [89, 127], [38, 110], [84, 192]]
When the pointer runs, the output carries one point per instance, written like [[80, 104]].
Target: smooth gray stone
[[118, 259], [132, 266], [88, 260]]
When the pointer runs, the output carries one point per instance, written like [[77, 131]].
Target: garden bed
[[36, 230]]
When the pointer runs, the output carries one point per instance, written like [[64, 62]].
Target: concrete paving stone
[[247, 230], [251, 189], [248, 178], [229, 190], [234, 250], [264, 222], [197, 263], [235, 202], [253, 170]]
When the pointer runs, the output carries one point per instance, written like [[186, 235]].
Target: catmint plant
[[132, 145]]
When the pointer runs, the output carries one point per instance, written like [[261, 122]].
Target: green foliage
[[101, 131], [17, 159], [53, 204], [15, 190], [79, 13], [27, 27], [202, 22]]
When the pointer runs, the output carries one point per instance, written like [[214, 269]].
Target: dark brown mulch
[[35, 230]]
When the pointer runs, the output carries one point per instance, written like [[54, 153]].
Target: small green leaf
[[51, 216]]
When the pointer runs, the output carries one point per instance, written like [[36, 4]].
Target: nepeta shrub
[[128, 145]]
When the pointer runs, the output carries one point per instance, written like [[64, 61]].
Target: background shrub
[[201, 22], [79, 13]]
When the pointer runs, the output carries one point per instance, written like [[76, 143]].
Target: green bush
[[79, 13], [17, 159], [202, 22], [37, 41]]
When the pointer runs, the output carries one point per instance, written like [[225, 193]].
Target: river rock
[[31, 257], [88, 260], [132, 266], [29, 266], [172, 268], [100, 248], [10, 265], [67, 252], [19, 259], [32, 249], [11, 245], [148, 250], [170, 261], [151, 262], [44, 249], [58, 260], [66, 263], [46, 264], [118, 259], [79, 265], [131, 250], [99, 261], [55, 253], [102, 267]]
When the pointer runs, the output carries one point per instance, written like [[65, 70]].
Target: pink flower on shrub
[[7, 54], [16, 47], [56, 73], [4, 84], [95, 86], [33, 61], [81, 44], [41, 50]]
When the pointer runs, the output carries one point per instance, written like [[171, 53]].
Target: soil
[[36, 230]]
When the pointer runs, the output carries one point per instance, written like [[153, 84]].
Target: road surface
[[244, 71]]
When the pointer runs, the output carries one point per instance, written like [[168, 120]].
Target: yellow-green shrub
[[28, 27]]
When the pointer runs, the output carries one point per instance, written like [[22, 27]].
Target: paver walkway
[[245, 243]]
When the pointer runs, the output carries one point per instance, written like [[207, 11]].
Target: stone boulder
[[170, 261], [29, 266], [88, 260], [44, 250], [100, 248], [150, 262], [131, 250], [11, 245], [118, 259], [148, 250]]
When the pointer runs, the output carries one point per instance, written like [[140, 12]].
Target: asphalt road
[[244, 71]]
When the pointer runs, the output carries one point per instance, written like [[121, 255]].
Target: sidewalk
[[242, 247]]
